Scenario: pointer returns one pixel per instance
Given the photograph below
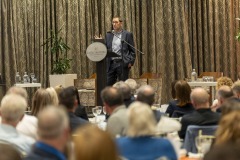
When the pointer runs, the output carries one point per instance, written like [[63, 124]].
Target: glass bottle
[[194, 75], [25, 78], [17, 78]]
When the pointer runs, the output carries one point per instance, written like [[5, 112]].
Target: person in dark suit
[[202, 114], [68, 98], [118, 67]]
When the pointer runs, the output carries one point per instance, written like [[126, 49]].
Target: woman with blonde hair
[[92, 143], [224, 81], [53, 94], [40, 100], [229, 129], [140, 142]]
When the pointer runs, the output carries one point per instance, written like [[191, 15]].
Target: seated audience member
[[236, 89], [202, 115], [12, 111], [80, 110], [53, 95], [223, 152], [182, 103], [88, 144], [224, 81], [146, 95], [53, 133], [132, 84], [140, 143], [28, 125], [8, 152], [223, 93], [231, 104], [68, 98], [40, 100], [228, 130], [128, 98], [113, 101]]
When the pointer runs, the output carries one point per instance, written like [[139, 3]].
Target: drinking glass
[[99, 110], [203, 143], [95, 113], [104, 110], [32, 75]]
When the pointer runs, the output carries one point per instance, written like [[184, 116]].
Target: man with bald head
[[223, 93], [53, 132], [113, 101], [202, 114], [124, 88], [146, 94]]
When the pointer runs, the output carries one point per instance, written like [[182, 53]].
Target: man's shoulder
[[78, 120], [121, 110], [26, 139], [119, 113], [127, 32], [190, 116], [40, 155]]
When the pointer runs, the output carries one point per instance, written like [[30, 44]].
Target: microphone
[[122, 40]]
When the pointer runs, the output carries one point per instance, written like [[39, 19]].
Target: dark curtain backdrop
[[174, 35]]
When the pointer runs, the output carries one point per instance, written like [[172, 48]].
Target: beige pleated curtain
[[174, 35]]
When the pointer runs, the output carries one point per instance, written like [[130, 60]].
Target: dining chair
[[192, 133], [140, 81], [156, 83], [86, 90], [151, 75]]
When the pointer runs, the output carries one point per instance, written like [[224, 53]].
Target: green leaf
[[55, 43]]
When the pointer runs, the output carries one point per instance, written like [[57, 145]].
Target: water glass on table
[[203, 144], [104, 110], [96, 111]]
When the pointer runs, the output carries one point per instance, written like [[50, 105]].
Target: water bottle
[[194, 75], [17, 78], [25, 78]]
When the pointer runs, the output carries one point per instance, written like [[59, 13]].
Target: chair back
[[86, 91], [88, 83], [192, 133], [15, 149], [140, 81], [156, 83], [151, 75]]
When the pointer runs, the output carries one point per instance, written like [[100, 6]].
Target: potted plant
[[58, 48], [55, 43]]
